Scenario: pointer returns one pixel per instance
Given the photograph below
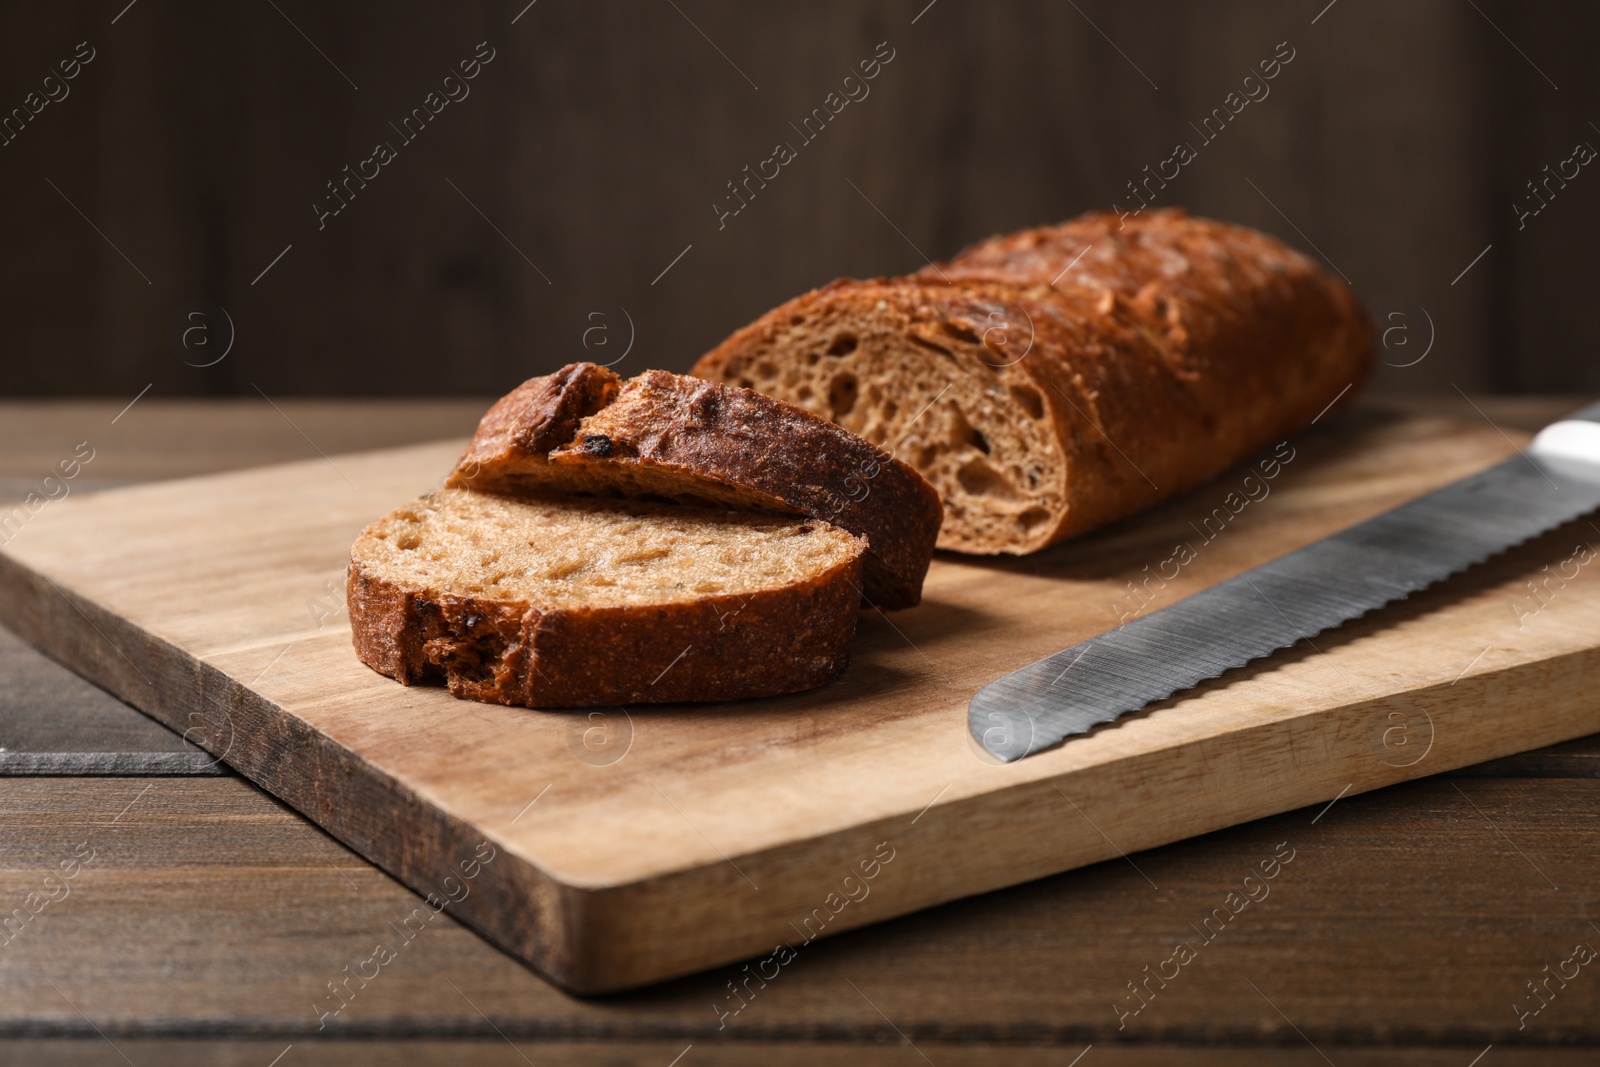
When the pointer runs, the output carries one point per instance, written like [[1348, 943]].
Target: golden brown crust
[[1165, 348], [519, 431], [710, 648], [669, 436]]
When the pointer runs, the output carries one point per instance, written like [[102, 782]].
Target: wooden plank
[[1574, 759], [54, 722], [208, 909], [546, 1053], [157, 438], [739, 821]]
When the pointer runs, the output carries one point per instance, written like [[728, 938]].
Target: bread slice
[[1053, 380], [563, 603], [665, 436]]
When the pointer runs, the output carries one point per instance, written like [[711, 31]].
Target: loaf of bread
[[1054, 380], [661, 436], [552, 603]]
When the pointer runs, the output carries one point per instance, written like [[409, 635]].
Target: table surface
[[204, 922]]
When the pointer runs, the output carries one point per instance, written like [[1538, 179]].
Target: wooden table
[[204, 921]]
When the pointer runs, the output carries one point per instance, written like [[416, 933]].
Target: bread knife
[[1296, 596]]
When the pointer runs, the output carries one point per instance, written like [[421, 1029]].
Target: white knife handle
[[1571, 439]]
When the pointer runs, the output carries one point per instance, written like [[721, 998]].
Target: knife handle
[[1576, 438]]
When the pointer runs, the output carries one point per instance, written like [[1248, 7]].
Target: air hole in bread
[[843, 345], [934, 346], [842, 395], [410, 542], [980, 479], [1030, 400], [645, 555], [1032, 518], [960, 331], [898, 368], [475, 662], [764, 369], [963, 433]]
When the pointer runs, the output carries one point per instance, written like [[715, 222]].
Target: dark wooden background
[[594, 145]]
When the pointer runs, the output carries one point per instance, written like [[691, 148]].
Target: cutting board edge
[[214, 707], [1030, 816]]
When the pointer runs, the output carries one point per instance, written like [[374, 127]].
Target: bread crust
[[694, 441], [1166, 348], [508, 652], [521, 428]]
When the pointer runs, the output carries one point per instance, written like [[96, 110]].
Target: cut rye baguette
[[565, 603], [1053, 380], [582, 431]]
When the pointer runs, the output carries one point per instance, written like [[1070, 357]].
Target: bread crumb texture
[[557, 554]]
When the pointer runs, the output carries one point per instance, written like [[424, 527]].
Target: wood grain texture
[[150, 438], [502, 1053], [721, 829], [1396, 142], [54, 722], [496, 1052], [210, 909], [1574, 759]]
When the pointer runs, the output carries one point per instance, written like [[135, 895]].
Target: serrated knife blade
[[1296, 596]]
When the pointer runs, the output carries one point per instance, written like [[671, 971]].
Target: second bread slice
[[582, 430], [551, 603]]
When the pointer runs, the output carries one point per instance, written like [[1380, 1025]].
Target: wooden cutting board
[[616, 848]]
